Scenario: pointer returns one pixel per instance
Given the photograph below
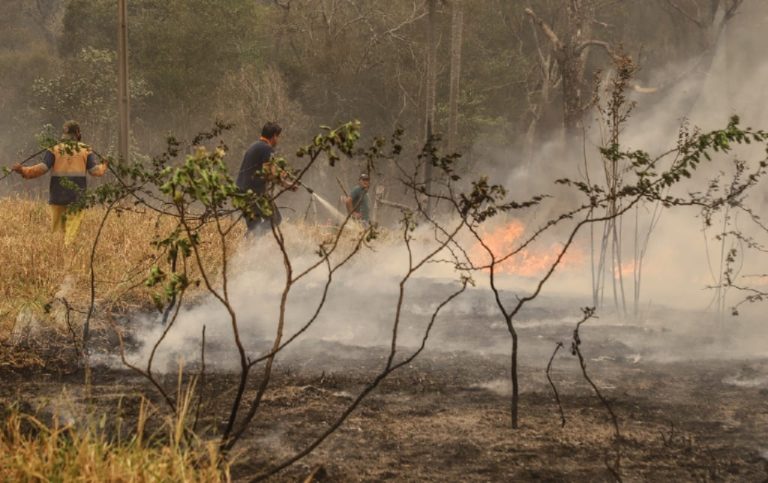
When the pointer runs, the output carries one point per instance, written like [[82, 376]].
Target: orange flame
[[529, 262]]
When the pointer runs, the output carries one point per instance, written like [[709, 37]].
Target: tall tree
[[571, 48]]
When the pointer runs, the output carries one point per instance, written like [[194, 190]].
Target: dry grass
[[37, 268], [33, 451]]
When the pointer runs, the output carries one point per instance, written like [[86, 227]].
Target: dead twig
[[68, 309], [589, 312], [615, 468], [667, 440], [552, 384], [92, 303]]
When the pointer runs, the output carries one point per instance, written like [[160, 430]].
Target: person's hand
[[357, 215], [288, 184]]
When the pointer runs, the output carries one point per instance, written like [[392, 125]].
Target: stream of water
[[328, 206]]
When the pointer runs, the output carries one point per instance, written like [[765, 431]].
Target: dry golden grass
[[33, 451], [37, 267]]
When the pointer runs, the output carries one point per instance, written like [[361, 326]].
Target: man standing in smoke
[[357, 201], [68, 162], [258, 174]]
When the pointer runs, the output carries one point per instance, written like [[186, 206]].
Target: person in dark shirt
[[357, 202], [68, 162], [258, 174]]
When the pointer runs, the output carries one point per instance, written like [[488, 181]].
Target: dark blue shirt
[[250, 175]]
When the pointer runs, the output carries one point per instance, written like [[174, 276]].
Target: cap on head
[[70, 130], [365, 177]]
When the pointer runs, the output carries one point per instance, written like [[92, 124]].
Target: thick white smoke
[[681, 263]]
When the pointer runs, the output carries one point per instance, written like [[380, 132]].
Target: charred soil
[[446, 417]]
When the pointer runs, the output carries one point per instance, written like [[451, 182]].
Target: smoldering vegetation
[[359, 311]]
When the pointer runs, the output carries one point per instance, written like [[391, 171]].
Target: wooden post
[[122, 79]]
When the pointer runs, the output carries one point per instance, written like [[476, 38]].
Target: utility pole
[[122, 79]]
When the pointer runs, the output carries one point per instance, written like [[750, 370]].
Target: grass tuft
[[33, 451]]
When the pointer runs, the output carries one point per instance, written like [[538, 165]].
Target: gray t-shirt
[[360, 203]]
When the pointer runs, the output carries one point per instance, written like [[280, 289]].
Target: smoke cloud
[[676, 316]]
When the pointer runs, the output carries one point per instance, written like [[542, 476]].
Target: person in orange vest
[[68, 161]]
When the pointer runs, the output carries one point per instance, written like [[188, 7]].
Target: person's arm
[[276, 174], [348, 203], [94, 168], [286, 181], [30, 172]]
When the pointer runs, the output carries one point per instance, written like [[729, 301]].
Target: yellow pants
[[67, 223]]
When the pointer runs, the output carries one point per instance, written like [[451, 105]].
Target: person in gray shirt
[[358, 203]]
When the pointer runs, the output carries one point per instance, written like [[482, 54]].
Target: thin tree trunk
[[122, 80], [431, 92], [571, 69], [457, 39], [617, 231], [515, 401]]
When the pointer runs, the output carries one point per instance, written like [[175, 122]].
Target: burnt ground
[[446, 416]]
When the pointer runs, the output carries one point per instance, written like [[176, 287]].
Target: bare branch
[[597, 43], [730, 12], [556, 42], [685, 14]]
